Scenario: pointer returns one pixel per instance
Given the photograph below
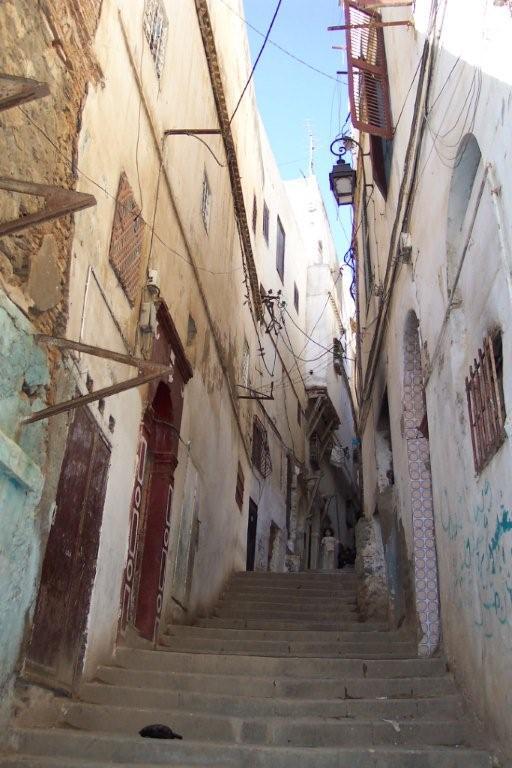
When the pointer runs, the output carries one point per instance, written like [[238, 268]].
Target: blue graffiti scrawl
[[486, 563]]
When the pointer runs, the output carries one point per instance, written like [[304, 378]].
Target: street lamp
[[342, 178]]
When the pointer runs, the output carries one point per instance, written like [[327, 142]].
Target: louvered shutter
[[367, 71]]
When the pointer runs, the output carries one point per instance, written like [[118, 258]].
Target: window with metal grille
[[239, 492], [260, 448], [126, 240], [244, 368], [280, 247], [296, 297], [206, 202], [265, 222], [156, 29], [337, 354], [368, 84], [486, 406], [254, 214]]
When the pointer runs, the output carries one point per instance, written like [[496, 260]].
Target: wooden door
[[154, 541], [57, 642], [252, 526]]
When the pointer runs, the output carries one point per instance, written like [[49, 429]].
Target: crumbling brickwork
[[51, 41]]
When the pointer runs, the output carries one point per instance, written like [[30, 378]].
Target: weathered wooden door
[[150, 516], [153, 547], [57, 642], [252, 526]]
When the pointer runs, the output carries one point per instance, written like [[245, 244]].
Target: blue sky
[[290, 95]]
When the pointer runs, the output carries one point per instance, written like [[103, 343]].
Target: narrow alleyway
[[283, 674]]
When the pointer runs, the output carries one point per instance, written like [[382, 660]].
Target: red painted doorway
[[155, 520], [57, 644], [157, 458]]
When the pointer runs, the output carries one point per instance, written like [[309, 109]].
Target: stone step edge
[[226, 747], [282, 679], [266, 699]]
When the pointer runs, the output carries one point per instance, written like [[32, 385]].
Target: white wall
[[470, 93]]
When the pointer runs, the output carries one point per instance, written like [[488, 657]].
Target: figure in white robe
[[328, 550]]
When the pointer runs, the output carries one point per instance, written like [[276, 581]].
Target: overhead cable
[[258, 57]]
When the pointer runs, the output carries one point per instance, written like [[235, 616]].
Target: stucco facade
[[164, 256], [437, 250]]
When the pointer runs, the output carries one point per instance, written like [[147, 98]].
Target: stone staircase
[[284, 674]]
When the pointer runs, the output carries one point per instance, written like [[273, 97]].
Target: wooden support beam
[[113, 389], [18, 90], [58, 202], [372, 23], [118, 357]]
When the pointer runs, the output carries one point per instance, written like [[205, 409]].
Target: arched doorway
[[420, 480], [155, 514], [150, 515]]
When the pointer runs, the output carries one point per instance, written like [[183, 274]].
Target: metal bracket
[[255, 395], [18, 90], [148, 371], [58, 202]]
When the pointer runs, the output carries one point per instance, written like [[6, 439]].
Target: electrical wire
[[119, 202], [210, 150], [280, 47], [408, 94], [258, 57]]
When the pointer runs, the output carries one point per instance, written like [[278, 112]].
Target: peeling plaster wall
[[471, 512], [22, 458]]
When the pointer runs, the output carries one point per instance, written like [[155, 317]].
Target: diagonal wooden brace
[[114, 389], [58, 202], [18, 90], [108, 354]]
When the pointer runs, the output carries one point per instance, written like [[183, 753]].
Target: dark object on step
[[159, 731]]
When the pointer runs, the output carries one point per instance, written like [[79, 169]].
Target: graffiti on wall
[[483, 572]]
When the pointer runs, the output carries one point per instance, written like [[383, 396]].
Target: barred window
[[484, 390], [239, 492], [337, 354], [126, 240], [206, 202], [260, 448], [156, 28], [296, 297], [280, 248], [244, 367], [265, 222]]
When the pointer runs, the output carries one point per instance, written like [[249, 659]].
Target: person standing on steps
[[328, 548]]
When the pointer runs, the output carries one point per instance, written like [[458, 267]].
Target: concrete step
[[325, 586], [281, 648], [284, 626], [260, 666], [297, 635], [133, 750], [447, 707], [308, 577], [33, 761], [240, 610], [341, 730], [278, 686], [321, 591], [298, 602], [281, 595]]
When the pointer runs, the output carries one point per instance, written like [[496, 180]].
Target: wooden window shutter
[[368, 84]]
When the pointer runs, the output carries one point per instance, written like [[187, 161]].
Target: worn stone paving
[[284, 673]]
